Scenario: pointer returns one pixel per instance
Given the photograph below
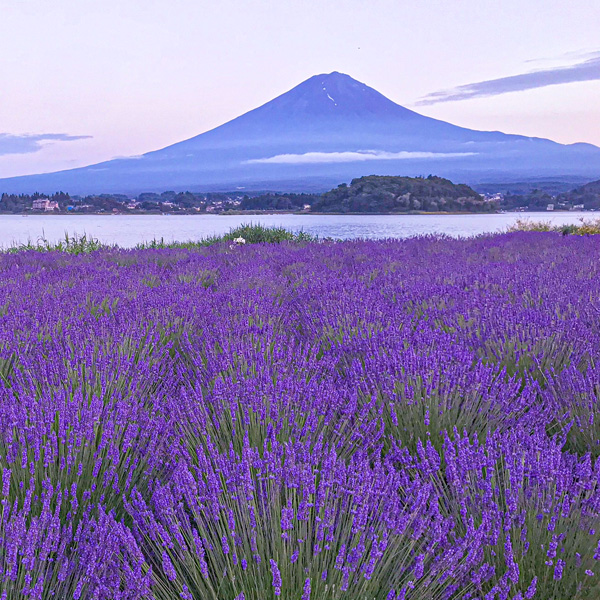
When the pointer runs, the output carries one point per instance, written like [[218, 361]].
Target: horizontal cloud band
[[27, 143], [587, 70], [340, 157]]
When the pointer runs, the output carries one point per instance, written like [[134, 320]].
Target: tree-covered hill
[[387, 194], [588, 195], [584, 197]]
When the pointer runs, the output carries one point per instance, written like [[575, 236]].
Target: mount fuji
[[326, 130]]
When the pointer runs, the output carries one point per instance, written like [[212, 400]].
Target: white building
[[44, 204]]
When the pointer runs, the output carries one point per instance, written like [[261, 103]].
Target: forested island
[[380, 194], [365, 195]]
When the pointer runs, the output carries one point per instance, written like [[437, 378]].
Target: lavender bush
[[385, 420]]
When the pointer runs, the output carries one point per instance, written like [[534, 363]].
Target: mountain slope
[[328, 129]]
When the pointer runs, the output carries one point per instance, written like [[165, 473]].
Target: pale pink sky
[[137, 75]]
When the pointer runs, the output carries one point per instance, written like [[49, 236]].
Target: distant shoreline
[[284, 212]]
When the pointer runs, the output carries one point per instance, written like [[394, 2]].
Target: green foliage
[[259, 234], [429, 413], [387, 194], [521, 195], [251, 233], [588, 195], [277, 201], [75, 244]]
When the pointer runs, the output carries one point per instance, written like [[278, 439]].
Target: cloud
[[27, 143], [566, 58], [583, 70], [341, 157]]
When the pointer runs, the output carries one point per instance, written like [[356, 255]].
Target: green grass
[[75, 244], [84, 244], [252, 233]]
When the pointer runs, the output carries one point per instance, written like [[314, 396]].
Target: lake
[[129, 230]]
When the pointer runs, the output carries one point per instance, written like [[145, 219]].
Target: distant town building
[[492, 197], [578, 207], [44, 204], [40, 203], [550, 207]]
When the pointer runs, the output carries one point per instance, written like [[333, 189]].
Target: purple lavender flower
[[306, 590], [558, 570], [168, 567], [419, 566], [185, 593], [530, 593], [552, 547], [6, 481], [276, 577]]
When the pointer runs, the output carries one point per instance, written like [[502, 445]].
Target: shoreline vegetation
[[585, 227], [372, 194], [255, 212], [83, 244]]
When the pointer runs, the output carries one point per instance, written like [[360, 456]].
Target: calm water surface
[[129, 230]]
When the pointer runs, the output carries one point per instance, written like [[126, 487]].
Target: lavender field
[[400, 420]]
